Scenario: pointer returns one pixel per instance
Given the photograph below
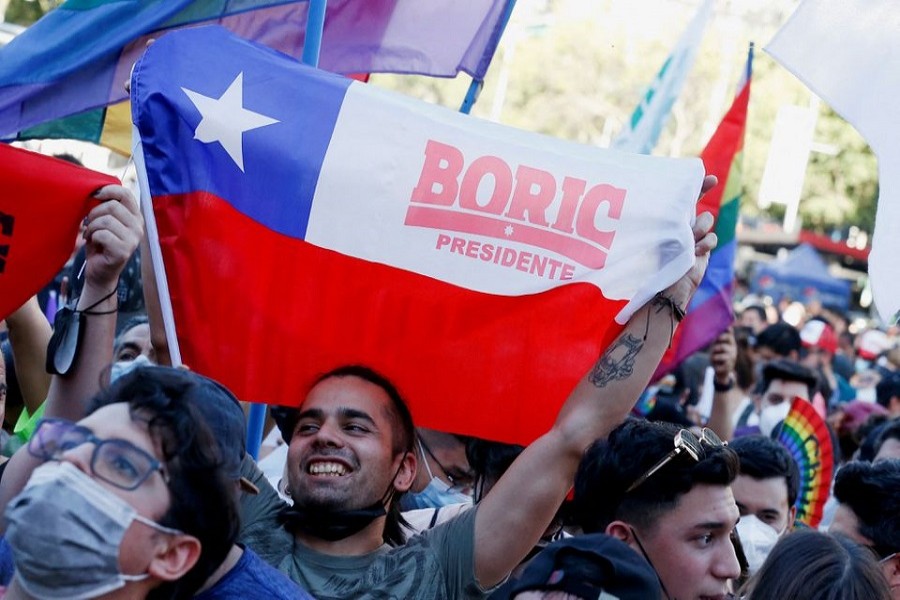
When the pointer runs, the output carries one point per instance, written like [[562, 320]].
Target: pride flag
[[805, 435], [42, 203], [710, 311], [305, 221], [73, 63]]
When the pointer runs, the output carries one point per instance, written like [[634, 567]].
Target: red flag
[[480, 268], [42, 203]]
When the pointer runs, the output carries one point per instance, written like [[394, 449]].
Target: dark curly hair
[[203, 499], [872, 492]]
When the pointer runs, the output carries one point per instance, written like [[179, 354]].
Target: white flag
[[648, 119], [845, 51]]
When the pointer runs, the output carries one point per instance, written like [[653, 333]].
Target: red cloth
[[42, 202]]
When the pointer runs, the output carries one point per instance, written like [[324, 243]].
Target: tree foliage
[[576, 70], [26, 12]]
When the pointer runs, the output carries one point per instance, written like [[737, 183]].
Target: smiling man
[[352, 456], [666, 494]]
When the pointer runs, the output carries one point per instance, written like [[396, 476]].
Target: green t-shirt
[[437, 564], [26, 424]]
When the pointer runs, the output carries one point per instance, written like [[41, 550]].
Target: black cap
[[586, 566], [223, 414]]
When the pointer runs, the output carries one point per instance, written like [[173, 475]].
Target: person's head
[[869, 511], [584, 567], [352, 444], [489, 461], [680, 516], [887, 393], [444, 475], [144, 449], [755, 318], [810, 565], [852, 423], [780, 340], [782, 380], [133, 340], [768, 482], [819, 343], [887, 447]]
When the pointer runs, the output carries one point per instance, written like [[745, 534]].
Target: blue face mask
[[436, 494], [121, 367]]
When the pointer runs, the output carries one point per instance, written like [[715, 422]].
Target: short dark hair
[[203, 499], [782, 338], [872, 492], [758, 309], [404, 429], [788, 370], [404, 436], [811, 565], [611, 465], [130, 324], [891, 431], [489, 461], [887, 388], [762, 457]]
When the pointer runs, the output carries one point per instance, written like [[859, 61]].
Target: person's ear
[[792, 517], [175, 558], [622, 531], [891, 570], [406, 472]]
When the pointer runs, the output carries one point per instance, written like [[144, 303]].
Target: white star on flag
[[508, 230], [225, 119]]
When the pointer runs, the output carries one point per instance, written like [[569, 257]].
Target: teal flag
[[649, 118]]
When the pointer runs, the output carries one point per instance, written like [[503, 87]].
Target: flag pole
[[315, 23], [477, 84]]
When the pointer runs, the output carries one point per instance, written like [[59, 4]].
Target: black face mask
[[331, 524], [327, 524]]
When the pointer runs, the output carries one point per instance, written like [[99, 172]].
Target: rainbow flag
[[710, 312], [808, 440], [50, 90]]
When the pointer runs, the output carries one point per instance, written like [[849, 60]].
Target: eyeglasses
[[685, 443], [459, 481], [116, 461]]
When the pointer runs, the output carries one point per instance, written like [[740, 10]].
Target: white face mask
[[121, 367], [770, 416], [757, 540], [868, 395], [65, 530]]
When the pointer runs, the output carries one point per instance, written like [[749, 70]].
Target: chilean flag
[[301, 221]]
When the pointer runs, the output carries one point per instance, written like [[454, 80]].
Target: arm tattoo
[[617, 362]]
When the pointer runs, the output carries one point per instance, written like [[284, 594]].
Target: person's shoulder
[[252, 577]]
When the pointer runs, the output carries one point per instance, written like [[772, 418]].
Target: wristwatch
[[724, 387]]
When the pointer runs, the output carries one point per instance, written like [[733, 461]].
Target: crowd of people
[[128, 478]]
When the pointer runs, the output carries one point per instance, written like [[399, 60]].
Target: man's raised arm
[[512, 517]]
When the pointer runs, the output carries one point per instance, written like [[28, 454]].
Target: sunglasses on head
[[686, 443]]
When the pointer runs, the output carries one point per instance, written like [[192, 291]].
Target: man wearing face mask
[[782, 381], [445, 478], [766, 494]]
